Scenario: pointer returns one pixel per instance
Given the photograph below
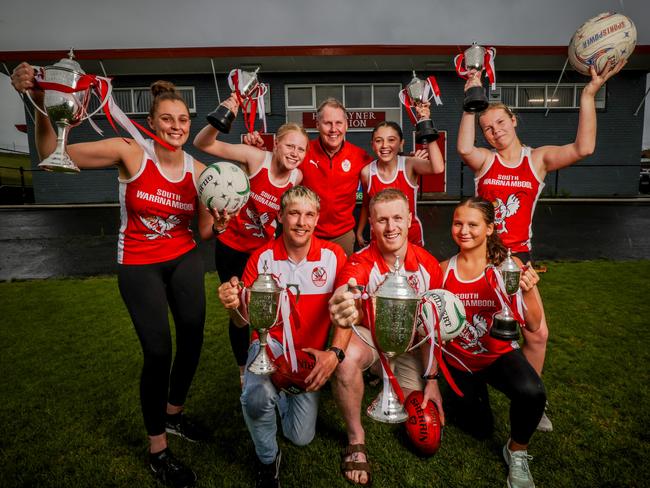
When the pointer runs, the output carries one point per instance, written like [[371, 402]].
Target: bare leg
[[348, 392]]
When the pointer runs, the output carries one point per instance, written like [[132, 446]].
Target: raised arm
[[206, 140], [97, 154], [551, 158], [432, 163], [472, 156]]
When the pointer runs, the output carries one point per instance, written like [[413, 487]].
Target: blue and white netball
[[224, 186], [602, 40]]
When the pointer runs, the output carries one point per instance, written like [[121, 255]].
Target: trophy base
[[475, 100], [221, 119], [505, 329], [59, 163], [425, 132], [395, 414], [262, 364]]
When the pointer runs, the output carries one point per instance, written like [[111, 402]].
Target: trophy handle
[[29, 97], [104, 102], [356, 329], [297, 288]]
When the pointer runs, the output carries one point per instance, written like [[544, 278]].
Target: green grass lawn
[[9, 168], [70, 414]]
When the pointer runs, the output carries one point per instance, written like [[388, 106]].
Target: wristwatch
[[431, 377], [340, 355]]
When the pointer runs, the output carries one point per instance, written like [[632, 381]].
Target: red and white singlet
[[335, 180], [513, 190], [368, 267], [156, 213], [255, 225], [401, 182], [475, 347], [315, 276]]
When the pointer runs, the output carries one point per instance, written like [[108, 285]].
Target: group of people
[[309, 188]]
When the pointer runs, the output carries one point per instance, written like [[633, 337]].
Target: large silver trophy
[[417, 92], [247, 87], [504, 325], [475, 97], [66, 109], [263, 312], [396, 307]]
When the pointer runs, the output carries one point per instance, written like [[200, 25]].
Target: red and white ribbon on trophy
[[515, 304], [102, 88], [288, 311], [488, 64], [251, 103], [431, 91]]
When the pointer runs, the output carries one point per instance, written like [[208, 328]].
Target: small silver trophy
[[396, 306], [247, 87], [65, 110], [263, 311], [504, 325], [475, 97], [416, 90]]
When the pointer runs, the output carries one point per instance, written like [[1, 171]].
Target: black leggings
[[147, 291], [511, 374], [229, 263]]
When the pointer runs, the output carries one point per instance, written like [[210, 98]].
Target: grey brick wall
[[611, 171]]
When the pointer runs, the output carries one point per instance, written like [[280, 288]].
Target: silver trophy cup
[[425, 132], [222, 118], [65, 110], [396, 306], [475, 97], [504, 325], [263, 310]]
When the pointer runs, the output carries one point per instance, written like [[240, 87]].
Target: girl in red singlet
[[159, 266], [490, 361]]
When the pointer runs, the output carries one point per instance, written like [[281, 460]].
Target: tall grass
[[70, 415]]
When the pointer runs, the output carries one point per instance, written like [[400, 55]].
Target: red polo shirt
[[335, 180]]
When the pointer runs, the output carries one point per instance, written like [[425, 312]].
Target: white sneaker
[[519, 473]]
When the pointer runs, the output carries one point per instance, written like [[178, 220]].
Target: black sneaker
[[178, 424], [170, 471], [268, 475]]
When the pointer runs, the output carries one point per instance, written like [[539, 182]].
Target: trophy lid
[[416, 88], [509, 265], [69, 63], [265, 283], [396, 286]]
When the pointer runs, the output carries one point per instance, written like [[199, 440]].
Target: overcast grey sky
[[57, 25], [48, 24]]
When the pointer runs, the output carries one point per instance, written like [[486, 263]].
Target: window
[[543, 95], [357, 97], [138, 100]]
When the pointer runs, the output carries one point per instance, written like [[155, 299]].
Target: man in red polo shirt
[[331, 168]]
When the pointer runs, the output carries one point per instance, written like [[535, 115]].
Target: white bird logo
[[504, 210], [257, 222], [159, 226]]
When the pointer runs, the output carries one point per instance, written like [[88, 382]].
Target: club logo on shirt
[[346, 165], [319, 276], [504, 210], [414, 282]]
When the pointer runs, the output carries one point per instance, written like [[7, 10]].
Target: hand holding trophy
[[67, 95], [417, 93], [264, 308], [474, 59], [392, 324], [505, 279], [249, 92]]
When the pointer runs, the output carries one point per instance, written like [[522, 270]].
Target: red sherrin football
[[286, 380], [423, 425]]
